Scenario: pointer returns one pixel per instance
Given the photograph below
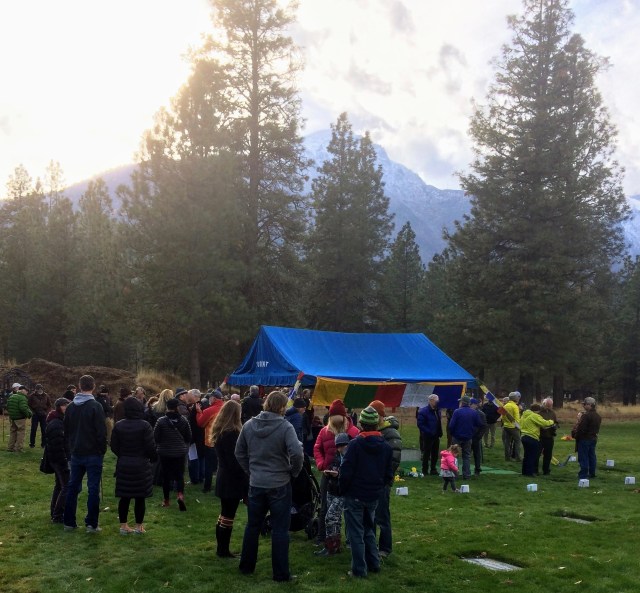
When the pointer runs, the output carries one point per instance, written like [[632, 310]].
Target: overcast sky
[[82, 79]]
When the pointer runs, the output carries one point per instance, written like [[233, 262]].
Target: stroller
[[305, 503]]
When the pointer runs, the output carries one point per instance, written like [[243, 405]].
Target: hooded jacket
[[133, 444], [531, 423], [269, 451], [448, 461], [56, 445], [84, 426], [367, 467]]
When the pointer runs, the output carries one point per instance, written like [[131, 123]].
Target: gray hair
[[434, 396], [590, 401], [547, 400], [254, 390], [195, 393]]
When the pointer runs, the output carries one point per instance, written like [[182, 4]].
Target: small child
[[335, 502], [449, 466]]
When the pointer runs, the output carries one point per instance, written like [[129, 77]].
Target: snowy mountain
[[428, 208]]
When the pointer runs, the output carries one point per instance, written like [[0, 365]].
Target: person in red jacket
[[204, 419], [324, 452]]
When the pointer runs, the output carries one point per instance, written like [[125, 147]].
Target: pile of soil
[[55, 377]]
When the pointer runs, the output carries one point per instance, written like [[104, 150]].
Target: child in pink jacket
[[449, 467]]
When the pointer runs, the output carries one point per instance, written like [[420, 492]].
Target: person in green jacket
[[530, 424], [19, 410]]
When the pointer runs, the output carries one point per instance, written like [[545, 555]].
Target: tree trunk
[[629, 382], [194, 363], [526, 387], [558, 391]]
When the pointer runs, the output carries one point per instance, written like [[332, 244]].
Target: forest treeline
[[217, 236]]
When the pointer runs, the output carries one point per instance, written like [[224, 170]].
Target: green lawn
[[431, 532]]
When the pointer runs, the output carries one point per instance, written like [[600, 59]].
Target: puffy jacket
[[448, 461], [172, 434], [18, 406], [367, 467], [133, 444], [465, 421], [430, 421], [84, 426], [389, 431], [56, 445], [531, 423], [324, 449], [269, 451]]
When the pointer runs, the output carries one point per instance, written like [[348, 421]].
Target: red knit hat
[[378, 406], [337, 408]]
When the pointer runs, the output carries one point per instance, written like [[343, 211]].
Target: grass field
[[432, 531]]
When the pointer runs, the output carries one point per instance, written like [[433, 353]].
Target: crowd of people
[[256, 446], [527, 436]]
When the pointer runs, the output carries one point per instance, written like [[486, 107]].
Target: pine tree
[[350, 235], [183, 235], [402, 283], [259, 108], [546, 203]]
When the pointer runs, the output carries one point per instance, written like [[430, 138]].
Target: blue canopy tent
[[279, 354]]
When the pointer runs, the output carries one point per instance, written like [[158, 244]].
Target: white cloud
[[82, 80]]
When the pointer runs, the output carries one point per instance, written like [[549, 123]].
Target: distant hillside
[[429, 209]]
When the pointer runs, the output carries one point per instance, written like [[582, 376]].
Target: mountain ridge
[[429, 209]]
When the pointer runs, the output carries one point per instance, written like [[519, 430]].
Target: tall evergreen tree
[[350, 234], [546, 203], [259, 108], [183, 233], [402, 282]]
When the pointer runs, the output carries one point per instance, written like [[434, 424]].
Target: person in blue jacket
[[464, 424], [430, 426], [366, 469]]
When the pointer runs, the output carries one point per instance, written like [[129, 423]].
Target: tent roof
[[279, 354]]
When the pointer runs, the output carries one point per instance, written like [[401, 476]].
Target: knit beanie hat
[[61, 401], [369, 416], [337, 408], [378, 406], [342, 439]]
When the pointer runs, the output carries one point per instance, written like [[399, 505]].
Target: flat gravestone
[[410, 455], [576, 520], [490, 564]]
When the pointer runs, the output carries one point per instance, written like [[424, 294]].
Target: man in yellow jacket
[[511, 428], [532, 422]]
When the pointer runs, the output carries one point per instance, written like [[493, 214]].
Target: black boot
[[223, 537]]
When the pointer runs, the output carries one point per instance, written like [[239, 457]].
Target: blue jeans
[[466, 456], [383, 521], [277, 502], [92, 466], [359, 517], [587, 458], [196, 470]]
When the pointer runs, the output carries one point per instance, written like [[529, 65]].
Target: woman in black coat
[[173, 435], [232, 483], [132, 442], [57, 452]]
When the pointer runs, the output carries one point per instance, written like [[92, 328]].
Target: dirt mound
[[55, 377]]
